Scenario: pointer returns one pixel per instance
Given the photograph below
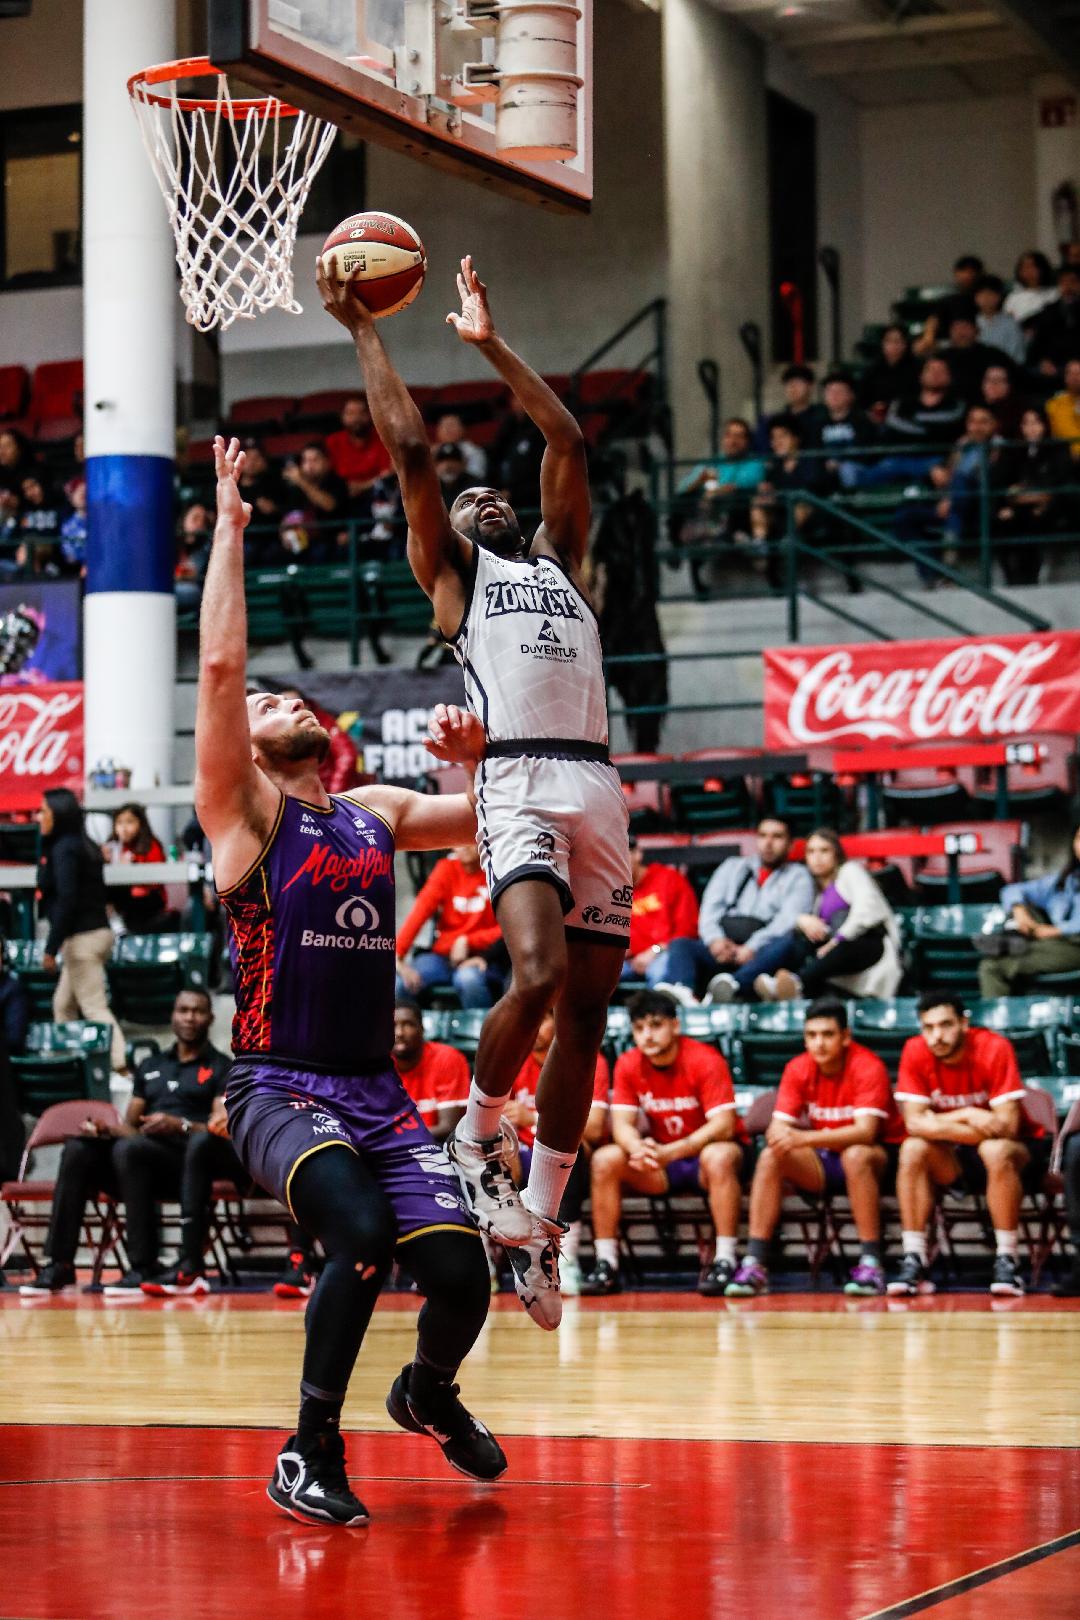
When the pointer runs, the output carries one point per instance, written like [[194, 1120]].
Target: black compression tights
[[336, 1199]]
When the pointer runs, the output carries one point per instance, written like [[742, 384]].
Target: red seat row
[[39, 407]]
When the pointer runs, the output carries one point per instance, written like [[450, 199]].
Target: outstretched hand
[[475, 323], [455, 735], [342, 300], [229, 464]]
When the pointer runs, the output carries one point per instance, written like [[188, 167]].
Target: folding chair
[[1041, 1221], [29, 1203]]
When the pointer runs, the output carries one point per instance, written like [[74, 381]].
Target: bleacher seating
[[62, 1061], [57, 390], [147, 972], [14, 387]]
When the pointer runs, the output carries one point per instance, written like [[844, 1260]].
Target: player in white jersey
[[550, 810]]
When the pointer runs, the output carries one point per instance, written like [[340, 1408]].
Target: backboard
[[498, 91]]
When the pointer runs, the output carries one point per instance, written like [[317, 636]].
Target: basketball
[[386, 256]]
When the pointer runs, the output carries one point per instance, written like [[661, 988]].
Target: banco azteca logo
[[358, 913]]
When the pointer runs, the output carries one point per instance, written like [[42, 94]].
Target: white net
[[235, 175]]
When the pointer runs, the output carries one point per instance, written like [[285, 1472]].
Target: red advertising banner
[[41, 742], [981, 688]]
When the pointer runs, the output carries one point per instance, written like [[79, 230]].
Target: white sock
[[1007, 1242], [482, 1115], [548, 1174], [571, 1242], [725, 1249], [914, 1243], [607, 1249]]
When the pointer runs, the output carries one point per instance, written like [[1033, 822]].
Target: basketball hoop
[[235, 175]]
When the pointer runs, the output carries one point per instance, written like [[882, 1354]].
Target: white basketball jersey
[[530, 652]]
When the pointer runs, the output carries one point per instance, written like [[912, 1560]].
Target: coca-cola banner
[[982, 688], [41, 742], [384, 711]]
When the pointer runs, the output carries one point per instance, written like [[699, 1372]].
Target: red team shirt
[[676, 1101], [830, 1103], [440, 1078], [986, 1075], [525, 1091]]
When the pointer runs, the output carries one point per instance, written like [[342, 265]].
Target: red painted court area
[[98, 1523]]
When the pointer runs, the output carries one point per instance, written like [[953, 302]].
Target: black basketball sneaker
[[311, 1484], [423, 1405]]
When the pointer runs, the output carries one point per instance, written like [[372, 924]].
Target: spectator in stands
[[1063, 408], [664, 909], [694, 1139], [978, 457], [1030, 507], [916, 425], [999, 394], [1043, 932], [967, 358], [1034, 288], [996, 328], [9, 524], [468, 950], [787, 470], [520, 1111], [450, 429], [192, 554], [142, 908], [435, 1075], [748, 903], [799, 407], [15, 459], [340, 770], [847, 944], [1067, 1160], [323, 497], [515, 457], [264, 489], [71, 887], [842, 428], [723, 487], [14, 1023], [961, 1094], [894, 374], [834, 1129], [1055, 339], [356, 453], [73, 528], [961, 301], [453, 477], [141, 1160], [41, 515]]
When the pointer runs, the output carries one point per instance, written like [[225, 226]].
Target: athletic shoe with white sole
[[51, 1281], [483, 1169], [536, 1271], [912, 1278], [312, 1484], [1007, 1278], [424, 1405], [177, 1283], [722, 988], [298, 1280], [570, 1275], [129, 1286]]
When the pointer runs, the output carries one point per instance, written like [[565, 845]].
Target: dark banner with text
[[384, 711], [979, 689]]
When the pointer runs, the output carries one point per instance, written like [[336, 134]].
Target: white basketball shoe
[[535, 1265], [484, 1173]]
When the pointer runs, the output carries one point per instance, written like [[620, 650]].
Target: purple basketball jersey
[[312, 940]]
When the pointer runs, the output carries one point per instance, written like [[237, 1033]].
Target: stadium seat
[[806, 800], [924, 796], [14, 384], [320, 412], [462, 1030], [58, 431], [19, 842], [62, 1061], [29, 1203], [771, 1037], [57, 390], [715, 803], [1042, 1224], [482, 398], [981, 875], [148, 971], [286, 446], [648, 800], [260, 412], [942, 953], [1046, 784], [25, 957]]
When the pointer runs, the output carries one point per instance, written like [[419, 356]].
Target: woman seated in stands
[[1030, 507], [848, 945], [1043, 931], [891, 375], [142, 908]]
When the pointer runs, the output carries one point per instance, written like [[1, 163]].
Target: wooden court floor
[[668, 1457]]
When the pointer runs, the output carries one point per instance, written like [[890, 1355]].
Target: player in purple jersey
[[316, 1110]]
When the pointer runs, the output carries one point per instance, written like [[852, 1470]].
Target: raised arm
[[234, 802], [434, 548], [564, 475]]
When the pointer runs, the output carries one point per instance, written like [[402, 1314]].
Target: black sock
[[872, 1251], [320, 1415], [758, 1249], [424, 1376]]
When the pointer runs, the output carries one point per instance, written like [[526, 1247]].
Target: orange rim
[[199, 67]]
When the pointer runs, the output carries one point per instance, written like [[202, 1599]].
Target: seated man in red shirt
[[521, 1111], [664, 908], [695, 1138], [834, 1128], [435, 1075], [356, 452], [962, 1096], [468, 950]]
